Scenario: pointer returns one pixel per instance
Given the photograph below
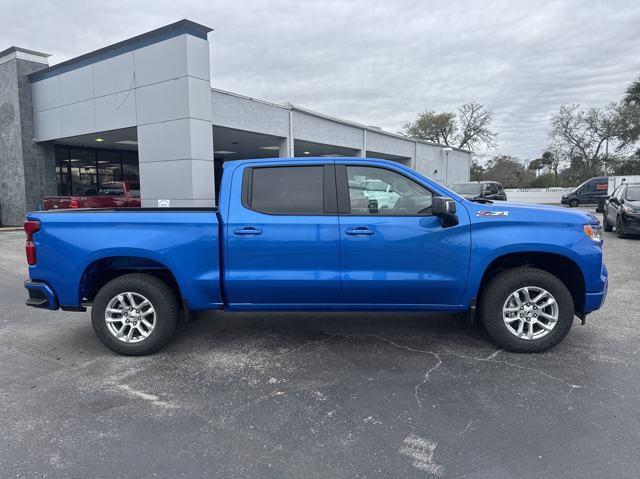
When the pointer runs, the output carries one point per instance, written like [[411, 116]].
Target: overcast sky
[[379, 63]]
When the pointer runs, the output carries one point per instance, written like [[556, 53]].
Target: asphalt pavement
[[303, 395]]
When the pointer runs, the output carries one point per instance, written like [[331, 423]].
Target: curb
[[11, 228]]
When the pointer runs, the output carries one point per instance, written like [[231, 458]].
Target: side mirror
[[614, 201], [445, 209]]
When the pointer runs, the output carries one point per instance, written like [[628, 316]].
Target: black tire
[[162, 299], [620, 229], [502, 286], [605, 223], [574, 203]]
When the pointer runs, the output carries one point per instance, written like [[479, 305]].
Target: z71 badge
[[492, 213]]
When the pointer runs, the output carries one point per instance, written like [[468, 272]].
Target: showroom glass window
[[81, 171], [378, 191]]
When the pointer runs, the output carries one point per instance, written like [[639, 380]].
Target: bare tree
[[586, 135], [474, 127], [469, 128]]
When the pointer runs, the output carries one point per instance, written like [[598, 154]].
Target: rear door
[[394, 252], [282, 237]]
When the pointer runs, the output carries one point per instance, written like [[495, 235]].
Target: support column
[[174, 122], [363, 151], [27, 169], [283, 152]]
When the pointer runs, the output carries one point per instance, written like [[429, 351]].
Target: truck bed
[[73, 244]]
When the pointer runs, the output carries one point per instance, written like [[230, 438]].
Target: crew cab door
[[282, 237], [394, 252]]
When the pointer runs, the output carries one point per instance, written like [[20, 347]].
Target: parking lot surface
[[320, 395]]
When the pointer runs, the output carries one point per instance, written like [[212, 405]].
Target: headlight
[[628, 209], [594, 232]]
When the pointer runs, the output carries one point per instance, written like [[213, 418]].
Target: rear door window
[[288, 190]]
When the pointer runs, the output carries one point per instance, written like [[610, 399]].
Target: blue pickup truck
[[294, 235]]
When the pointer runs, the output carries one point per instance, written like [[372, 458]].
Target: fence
[[537, 195]]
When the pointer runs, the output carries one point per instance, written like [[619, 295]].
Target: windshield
[[633, 193], [466, 188]]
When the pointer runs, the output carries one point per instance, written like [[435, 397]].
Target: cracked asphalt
[[319, 395]]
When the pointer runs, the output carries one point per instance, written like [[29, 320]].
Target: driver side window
[[377, 191]]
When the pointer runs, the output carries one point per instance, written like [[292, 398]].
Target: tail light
[[73, 203], [31, 227]]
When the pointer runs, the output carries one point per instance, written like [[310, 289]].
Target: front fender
[[493, 240]]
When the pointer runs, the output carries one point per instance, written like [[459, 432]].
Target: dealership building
[[144, 109]]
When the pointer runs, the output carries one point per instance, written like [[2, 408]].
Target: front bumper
[[595, 300], [631, 223], [41, 295]]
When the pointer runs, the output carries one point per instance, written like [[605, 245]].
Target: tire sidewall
[[162, 299], [574, 203], [504, 285]]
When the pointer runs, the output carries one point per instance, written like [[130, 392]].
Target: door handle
[[248, 231], [360, 230]]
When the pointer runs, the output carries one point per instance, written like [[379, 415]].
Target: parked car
[[111, 194], [475, 190], [622, 210], [613, 183], [285, 237], [591, 192]]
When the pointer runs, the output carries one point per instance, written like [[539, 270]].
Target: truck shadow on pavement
[[289, 330]]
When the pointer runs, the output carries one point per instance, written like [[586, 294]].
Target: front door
[[282, 239], [394, 251]]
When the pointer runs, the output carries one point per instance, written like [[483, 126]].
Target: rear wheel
[[135, 314], [526, 310], [574, 203], [605, 222]]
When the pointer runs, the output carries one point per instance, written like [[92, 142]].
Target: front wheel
[[526, 310], [135, 314], [605, 223], [620, 228], [574, 203]]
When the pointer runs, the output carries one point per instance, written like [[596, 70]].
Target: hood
[[509, 211]]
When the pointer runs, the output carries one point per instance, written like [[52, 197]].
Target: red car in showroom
[[111, 194]]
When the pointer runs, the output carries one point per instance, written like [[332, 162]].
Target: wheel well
[[100, 272], [565, 269]]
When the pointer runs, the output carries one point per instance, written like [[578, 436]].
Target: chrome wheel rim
[[130, 317], [530, 313]]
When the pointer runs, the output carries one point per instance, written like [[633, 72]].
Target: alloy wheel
[[530, 313]]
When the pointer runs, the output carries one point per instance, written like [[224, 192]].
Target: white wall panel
[[78, 118], [47, 124], [164, 141], [76, 85], [113, 75], [164, 101], [45, 94], [161, 61], [199, 98], [116, 111], [198, 58]]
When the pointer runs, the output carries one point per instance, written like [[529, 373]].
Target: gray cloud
[[380, 63]]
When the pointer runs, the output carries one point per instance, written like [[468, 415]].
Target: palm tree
[[632, 96]]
